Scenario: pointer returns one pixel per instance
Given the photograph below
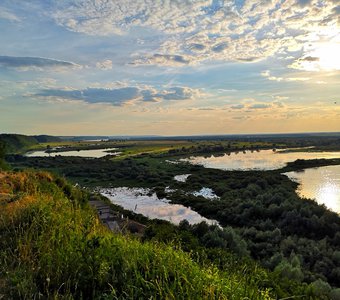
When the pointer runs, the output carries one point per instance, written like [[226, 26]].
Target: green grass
[[53, 246]]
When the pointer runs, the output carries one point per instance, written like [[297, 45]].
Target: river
[[321, 184], [93, 153], [256, 160], [145, 202]]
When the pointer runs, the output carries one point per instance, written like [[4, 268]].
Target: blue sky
[[169, 67]]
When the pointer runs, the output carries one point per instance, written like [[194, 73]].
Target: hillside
[[19, 142], [53, 246]]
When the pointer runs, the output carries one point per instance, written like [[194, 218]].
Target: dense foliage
[[19, 142], [3, 164], [297, 238]]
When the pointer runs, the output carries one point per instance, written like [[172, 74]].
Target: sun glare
[[321, 57], [328, 55], [329, 195]]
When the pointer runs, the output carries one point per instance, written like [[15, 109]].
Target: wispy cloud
[[253, 105], [259, 106], [8, 15], [104, 65], [37, 63], [267, 74], [237, 106], [164, 59]]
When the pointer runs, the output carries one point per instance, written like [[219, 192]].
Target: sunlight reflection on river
[[262, 160], [321, 184]]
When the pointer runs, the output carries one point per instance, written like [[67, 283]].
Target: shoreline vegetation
[[295, 241]]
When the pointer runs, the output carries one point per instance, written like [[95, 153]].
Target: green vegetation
[[301, 164], [53, 246], [277, 226], [18, 143], [3, 164], [296, 240]]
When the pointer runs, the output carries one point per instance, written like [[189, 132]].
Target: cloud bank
[[120, 96], [193, 31]]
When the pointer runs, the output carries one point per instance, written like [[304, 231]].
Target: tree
[[321, 288], [3, 165]]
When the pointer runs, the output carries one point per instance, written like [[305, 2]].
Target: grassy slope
[[52, 245], [19, 143]]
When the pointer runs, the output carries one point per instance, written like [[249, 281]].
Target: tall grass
[[53, 246]]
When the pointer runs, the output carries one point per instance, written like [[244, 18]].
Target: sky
[[169, 67]]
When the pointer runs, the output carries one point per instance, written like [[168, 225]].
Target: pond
[[145, 202], [256, 160], [321, 184], [93, 153]]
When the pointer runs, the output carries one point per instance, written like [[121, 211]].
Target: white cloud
[[104, 65], [7, 15], [164, 59], [267, 74], [202, 30]]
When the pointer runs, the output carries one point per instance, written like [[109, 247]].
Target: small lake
[[256, 160], [144, 202], [321, 184], [93, 153]]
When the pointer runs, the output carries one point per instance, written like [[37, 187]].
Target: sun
[[327, 56], [320, 57]]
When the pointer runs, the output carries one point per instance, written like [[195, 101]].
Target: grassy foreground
[[53, 246]]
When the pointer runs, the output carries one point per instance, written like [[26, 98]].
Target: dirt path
[[114, 220]]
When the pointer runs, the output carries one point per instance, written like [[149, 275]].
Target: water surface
[[207, 193], [321, 184], [256, 160], [182, 178], [143, 202], [93, 153]]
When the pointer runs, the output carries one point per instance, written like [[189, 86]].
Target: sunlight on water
[[321, 184], [262, 160]]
